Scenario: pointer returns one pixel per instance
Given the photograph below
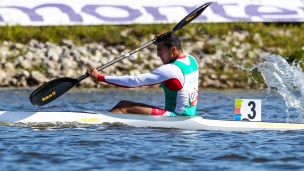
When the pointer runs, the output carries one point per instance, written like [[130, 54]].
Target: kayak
[[179, 122]]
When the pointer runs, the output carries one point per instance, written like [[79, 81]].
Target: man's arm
[[165, 73]]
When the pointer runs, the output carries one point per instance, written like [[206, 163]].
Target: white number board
[[248, 110]]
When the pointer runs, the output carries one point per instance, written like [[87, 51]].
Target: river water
[[114, 147]]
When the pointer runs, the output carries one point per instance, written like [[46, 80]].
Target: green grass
[[110, 34]]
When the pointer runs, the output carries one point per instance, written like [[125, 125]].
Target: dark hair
[[170, 40]]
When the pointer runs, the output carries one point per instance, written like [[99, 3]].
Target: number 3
[[252, 109]]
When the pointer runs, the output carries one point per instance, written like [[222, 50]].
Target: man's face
[[165, 53]]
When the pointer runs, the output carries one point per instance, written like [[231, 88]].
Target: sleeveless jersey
[[184, 101]]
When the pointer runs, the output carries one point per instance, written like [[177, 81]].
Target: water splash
[[287, 79]]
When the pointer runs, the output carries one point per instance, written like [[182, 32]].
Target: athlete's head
[[171, 40], [169, 47]]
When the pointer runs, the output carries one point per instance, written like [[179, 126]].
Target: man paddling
[[178, 77]]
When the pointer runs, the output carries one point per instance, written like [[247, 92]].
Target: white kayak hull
[[182, 122]]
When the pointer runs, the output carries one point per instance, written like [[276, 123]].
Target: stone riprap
[[35, 63]]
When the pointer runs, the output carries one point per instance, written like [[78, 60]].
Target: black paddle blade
[[51, 90], [191, 16]]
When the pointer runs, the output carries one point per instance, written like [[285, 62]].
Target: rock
[[40, 53], [98, 54], [68, 43], [25, 73], [13, 82], [41, 45], [126, 62], [120, 48], [65, 52], [240, 36], [33, 43], [29, 55], [118, 73], [14, 52], [53, 53], [18, 46], [22, 62], [20, 79], [213, 76], [88, 83], [70, 73], [36, 78], [114, 51], [106, 54], [9, 67], [2, 75], [223, 77], [230, 84], [7, 43], [49, 45], [66, 63], [126, 32], [83, 50], [135, 72], [52, 73], [4, 51], [52, 65]]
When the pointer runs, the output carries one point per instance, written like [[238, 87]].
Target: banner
[[97, 12]]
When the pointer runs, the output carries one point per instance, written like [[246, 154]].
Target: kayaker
[[178, 77]]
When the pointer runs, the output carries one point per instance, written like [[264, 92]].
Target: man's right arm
[[159, 75]]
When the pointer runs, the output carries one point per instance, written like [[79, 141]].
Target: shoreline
[[36, 63], [222, 53]]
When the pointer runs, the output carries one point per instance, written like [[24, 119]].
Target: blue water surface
[[117, 147]]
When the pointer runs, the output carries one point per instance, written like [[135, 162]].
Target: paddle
[[55, 88]]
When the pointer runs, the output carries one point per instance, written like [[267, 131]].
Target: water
[[287, 79], [125, 148], [117, 147]]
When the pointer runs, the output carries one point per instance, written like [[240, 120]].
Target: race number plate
[[248, 110]]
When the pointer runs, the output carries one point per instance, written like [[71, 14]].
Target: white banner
[[96, 12]]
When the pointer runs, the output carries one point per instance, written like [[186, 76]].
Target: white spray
[[287, 79]]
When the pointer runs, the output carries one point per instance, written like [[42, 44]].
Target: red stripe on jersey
[[173, 84], [180, 57], [101, 78]]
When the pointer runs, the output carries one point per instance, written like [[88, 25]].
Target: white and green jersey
[[178, 79], [184, 101]]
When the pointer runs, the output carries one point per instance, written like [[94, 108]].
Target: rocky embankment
[[32, 64]]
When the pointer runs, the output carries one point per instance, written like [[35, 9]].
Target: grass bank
[[286, 36]]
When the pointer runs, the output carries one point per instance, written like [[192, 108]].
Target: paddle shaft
[[119, 59]]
